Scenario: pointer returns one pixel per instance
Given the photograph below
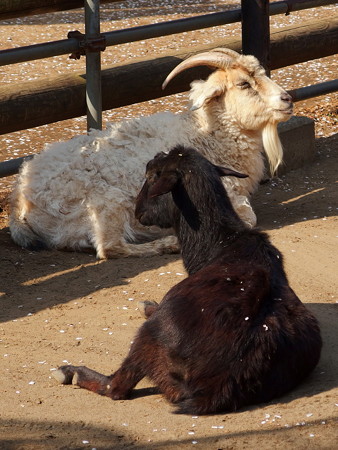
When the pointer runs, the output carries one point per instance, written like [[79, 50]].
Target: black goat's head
[[171, 172]]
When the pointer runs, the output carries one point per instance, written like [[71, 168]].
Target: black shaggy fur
[[231, 334]]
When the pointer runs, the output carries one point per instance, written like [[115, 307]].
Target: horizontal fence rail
[[72, 45], [314, 90], [31, 106], [12, 166]]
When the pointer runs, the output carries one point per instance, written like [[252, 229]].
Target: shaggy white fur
[[80, 194]]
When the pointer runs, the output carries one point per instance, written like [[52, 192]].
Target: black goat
[[231, 334]]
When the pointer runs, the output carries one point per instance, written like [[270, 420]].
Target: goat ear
[[205, 96], [163, 185], [226, 172], [203, 92]]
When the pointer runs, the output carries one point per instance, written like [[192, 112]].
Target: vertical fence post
[[256, 30], [93, 66]]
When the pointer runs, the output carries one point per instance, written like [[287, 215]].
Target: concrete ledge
[[298, 139]]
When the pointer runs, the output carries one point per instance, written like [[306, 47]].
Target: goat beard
[[272, 146]]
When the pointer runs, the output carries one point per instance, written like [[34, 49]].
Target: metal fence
[[252, 14]]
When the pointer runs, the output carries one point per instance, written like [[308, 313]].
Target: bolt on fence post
[[93, 66]]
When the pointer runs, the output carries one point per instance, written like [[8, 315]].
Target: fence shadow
[[60, 276], [42, 435], [307, 193]]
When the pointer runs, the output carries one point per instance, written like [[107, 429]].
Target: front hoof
[[64, 374]]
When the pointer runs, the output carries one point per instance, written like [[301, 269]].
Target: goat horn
[[218, 57]]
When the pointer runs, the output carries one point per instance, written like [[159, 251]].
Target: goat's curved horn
[[218, 57]]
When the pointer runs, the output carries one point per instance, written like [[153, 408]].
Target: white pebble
[[31, 382]]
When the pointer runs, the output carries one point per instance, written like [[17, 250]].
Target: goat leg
[[83, 377], [117, 386]]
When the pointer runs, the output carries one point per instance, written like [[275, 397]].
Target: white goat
[[80, 194]]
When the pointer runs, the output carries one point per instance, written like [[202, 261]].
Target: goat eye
[[244, 85]]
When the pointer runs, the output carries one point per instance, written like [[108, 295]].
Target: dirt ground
[[59, 308]]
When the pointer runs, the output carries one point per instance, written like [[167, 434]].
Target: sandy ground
[[68, 307]]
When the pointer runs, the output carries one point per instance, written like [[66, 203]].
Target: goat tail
[[23, 235]]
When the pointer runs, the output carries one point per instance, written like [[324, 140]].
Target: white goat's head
[[240, 89]]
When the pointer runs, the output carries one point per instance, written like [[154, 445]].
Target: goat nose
[[286, 97]]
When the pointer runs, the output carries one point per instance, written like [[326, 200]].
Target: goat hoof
[[147, 308], [64, 374]]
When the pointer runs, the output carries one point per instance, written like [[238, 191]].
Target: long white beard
[[272, 146]]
